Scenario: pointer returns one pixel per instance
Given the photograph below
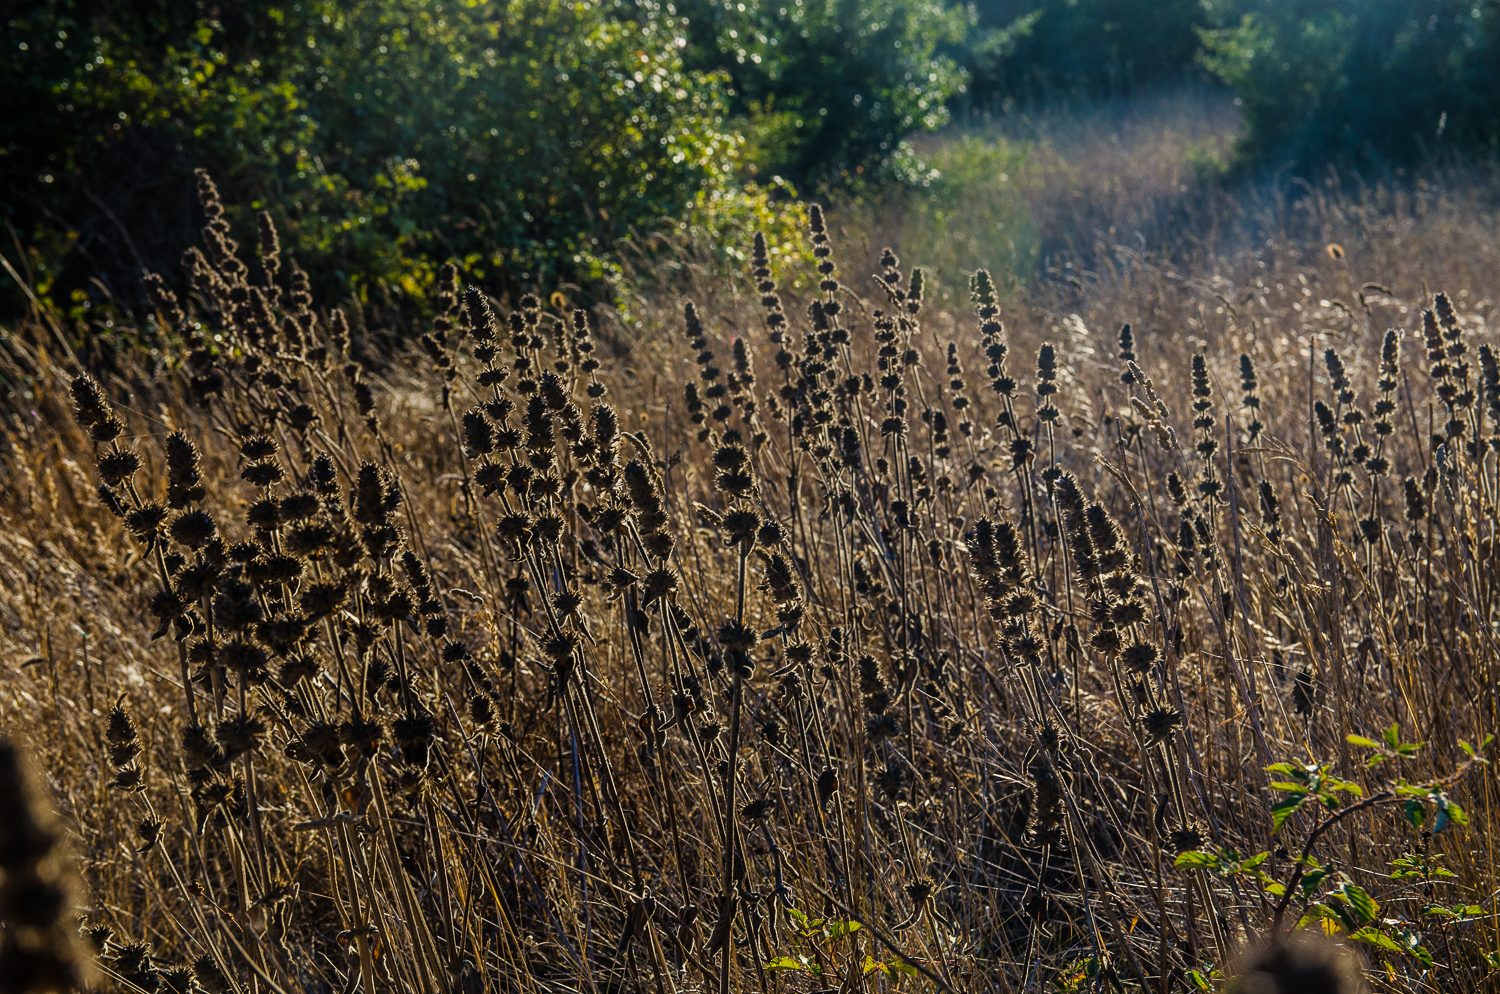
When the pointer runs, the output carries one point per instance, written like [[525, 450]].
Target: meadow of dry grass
[[843, 642]]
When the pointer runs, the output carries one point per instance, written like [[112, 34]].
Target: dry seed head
[[116, 466]]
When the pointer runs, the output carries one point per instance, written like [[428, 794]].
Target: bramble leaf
[[1197, 861], [1283, 810], [1372, 937], [1360, 903]]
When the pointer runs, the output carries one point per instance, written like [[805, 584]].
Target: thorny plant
[[866, 660]]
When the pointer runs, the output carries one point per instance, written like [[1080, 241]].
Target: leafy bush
[[528, 136], [1382, 79], [1035, 50], [828, 89]]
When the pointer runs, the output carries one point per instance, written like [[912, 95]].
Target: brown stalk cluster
[[803, 660]]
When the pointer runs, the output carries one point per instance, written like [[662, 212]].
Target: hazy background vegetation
[[533, 140]]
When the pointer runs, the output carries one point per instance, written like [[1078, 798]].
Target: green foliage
[[823, 937], [1381, 79], [112, 105], [827, 90], [1034, 50], [540, 130], [384, 136], [1313, 782], [1326, 895]]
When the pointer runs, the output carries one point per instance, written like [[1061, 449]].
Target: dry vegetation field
[[827, 641]]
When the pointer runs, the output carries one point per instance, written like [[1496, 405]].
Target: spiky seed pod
[[269, 246], [414, 733], [660, 583], [891, 779], [210, 978], [740, 528], [121, 730], [1139, 657], [194, 529], [879, 727], [274, 569], [737, 637], [163, 300], [184, 478], [245, 658], [1176, 490], [258, 447], [90, 406], [148, 831], [324, 476], [362, 735], [479, 438], [1106, 639], [738, 640], [1446, 315], [263, 474], [1046, 375], [198, 748], [560, 645], [298, 506], [1201, 389], [1187, 839], [781, 580], [98, 935], [1159, 724], [370, 496], [117, 466]]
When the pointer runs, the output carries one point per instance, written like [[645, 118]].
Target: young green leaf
[[1362, 906], [1372, 937], [1283, 810], [1197, 861], [840, 929]]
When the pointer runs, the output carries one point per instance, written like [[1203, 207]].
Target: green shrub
[[522, 138], [1382, 80], [827, 89], [1030, 51]]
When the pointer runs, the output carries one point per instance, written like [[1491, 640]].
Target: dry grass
[[1135, 170], [494, 682]]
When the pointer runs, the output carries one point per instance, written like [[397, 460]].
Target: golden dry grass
[[812, 620]]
